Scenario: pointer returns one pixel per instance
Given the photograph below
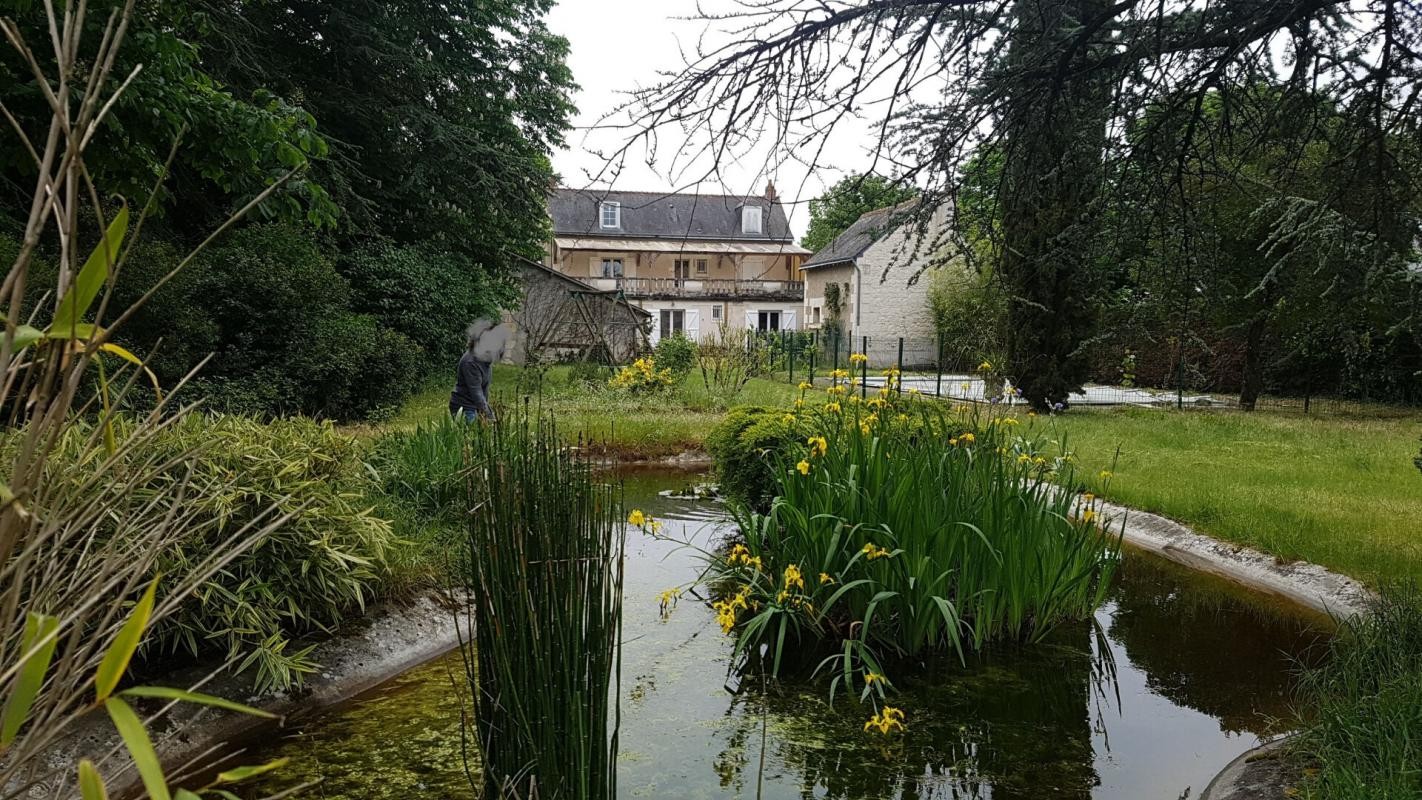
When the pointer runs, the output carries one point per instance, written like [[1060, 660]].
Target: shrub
[[748, 447], [267, 302], [676, 353], [899, 528], [321, 563], [1364, 740], [426, 293], [969, 310], [644, 376]]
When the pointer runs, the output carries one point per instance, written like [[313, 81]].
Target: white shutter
[[751, 319], [656, 326], [693, 325], [787, 320]]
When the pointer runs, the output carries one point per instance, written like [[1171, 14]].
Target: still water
[[1178, 674]]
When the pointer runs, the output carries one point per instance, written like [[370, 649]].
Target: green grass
[[1341, 492], [631, 426], [1364, 738]]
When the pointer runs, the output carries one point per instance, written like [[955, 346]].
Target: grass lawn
[[641, 427], [1333, 490], [1341, 492]]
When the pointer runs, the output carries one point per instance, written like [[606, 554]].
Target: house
[[694, 262], [866, 283], [559, 317]]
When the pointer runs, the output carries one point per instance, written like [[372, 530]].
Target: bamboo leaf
[[238, 774], [92, 276], [26, 335], [39, 631], [123, 353], [166, 693], [91, 785], [115, 662], [140, 748]]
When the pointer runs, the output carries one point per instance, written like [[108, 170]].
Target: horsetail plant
[[543, 567]]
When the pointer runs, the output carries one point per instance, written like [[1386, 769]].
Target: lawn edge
[[1307, 584]]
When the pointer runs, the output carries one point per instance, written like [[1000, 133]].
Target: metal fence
[[935, 368]]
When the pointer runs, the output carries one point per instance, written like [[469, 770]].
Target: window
[[681, 270], [611, 214], [673, 321], [766, 321], [815, 312], [716, 311], [700, 266], [750, 219], [612, 268]]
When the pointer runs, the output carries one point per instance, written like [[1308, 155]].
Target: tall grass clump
[[1363, 737], [543, 567], [899, 528]]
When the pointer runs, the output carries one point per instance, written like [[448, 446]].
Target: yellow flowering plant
[[893, 575], [642, 377]]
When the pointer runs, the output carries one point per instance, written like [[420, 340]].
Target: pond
[[1178, 674]]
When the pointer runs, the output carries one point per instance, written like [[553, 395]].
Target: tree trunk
[[1055, 138], [1252, 381]]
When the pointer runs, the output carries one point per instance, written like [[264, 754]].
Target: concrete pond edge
[[393, 638], [397, 637], [1309, 585]]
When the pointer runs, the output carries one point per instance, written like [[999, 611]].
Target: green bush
[[748, 447], [970, 312], [1364, 739], [318, 566], [676, 353], [268, 304], [426, 293]]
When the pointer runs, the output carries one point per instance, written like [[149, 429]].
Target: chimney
[[770, 193]]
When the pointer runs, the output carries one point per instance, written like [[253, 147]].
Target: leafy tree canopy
[[833, 212]]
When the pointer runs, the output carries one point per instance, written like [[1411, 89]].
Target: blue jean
[[469, 414]]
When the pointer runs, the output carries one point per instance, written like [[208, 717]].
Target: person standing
[[470, 398]]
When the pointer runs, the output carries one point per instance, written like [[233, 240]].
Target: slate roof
[[857, 238], [665, 215]]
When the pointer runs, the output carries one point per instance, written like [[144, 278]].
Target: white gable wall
[[887, 306]]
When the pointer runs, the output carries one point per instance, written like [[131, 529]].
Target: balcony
[[703, 288]]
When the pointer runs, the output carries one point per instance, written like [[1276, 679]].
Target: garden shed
[[562, 318]]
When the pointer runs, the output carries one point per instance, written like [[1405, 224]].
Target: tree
[[232, 145], [843, 203], [1050, 84], [428, 176], [442, 115]]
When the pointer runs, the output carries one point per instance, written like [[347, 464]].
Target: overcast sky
[[624, 44]]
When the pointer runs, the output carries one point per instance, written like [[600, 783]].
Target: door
[[681, 270], [673, 320], [768, 321]]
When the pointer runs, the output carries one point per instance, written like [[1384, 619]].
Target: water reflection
[[1174, 677]]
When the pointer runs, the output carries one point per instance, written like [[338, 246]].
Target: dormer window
[[611, 214], [750, 219]]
